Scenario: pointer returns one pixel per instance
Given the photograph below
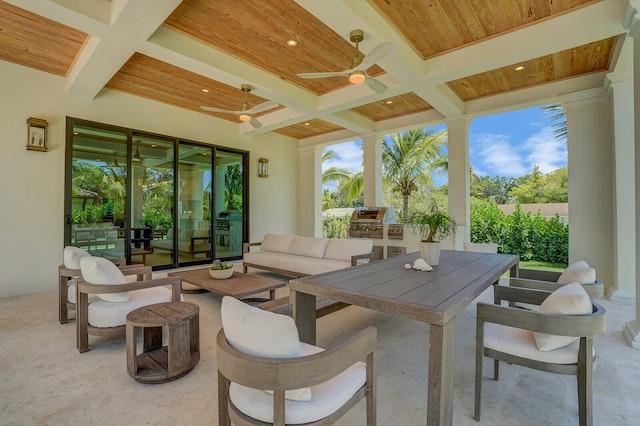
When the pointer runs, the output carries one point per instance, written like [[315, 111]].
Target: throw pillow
[[98, 270], [311, 247], [570, 299], [262, 333], [343, 249], [277, 243], [72, 256], [578, 272]]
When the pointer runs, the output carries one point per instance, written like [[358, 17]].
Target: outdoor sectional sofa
[[303, 256]]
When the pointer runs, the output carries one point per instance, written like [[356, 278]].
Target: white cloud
[[349, 156], [496, 156], [545, 151]]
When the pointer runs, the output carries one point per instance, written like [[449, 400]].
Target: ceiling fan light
[[245, 117], [357, 77]]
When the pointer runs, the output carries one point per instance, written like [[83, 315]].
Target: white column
[[459, 170], [632, 328], [590, 162], [623, 288], [310, 191], [372, 173]]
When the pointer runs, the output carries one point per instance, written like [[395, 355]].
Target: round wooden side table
[[157, 363]]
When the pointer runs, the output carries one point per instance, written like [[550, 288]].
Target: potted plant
[[221, 270], [432, 227]]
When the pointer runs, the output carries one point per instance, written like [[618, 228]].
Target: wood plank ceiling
[[254, 35]]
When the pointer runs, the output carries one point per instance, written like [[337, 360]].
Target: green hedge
[[530, 237]]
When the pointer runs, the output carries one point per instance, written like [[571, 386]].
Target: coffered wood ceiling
[[451, 57]]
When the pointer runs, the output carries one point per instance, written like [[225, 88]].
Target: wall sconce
[[263, 167]]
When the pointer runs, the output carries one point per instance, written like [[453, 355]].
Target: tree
[[558, 114], [495, 188], [409, 161]]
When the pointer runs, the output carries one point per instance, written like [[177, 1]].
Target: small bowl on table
[[221, 274]]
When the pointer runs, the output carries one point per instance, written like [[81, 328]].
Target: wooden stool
[[158, 363]]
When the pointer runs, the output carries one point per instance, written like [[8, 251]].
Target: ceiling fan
[[357, 73], [246, 113]]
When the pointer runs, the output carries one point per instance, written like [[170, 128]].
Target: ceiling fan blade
[[376, 54], [324, 74], [255, 123], [265, 106], [376, 85], [225, 111]]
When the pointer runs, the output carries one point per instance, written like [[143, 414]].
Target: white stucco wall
[[32, 183]]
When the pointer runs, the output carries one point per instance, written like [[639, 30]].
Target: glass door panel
[[98, 190], [152, 186], [229, 203], [194, 203]]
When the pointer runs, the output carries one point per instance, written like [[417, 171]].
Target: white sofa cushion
[[109, 314], [343, 249], [98, 270], [277, 243], [578, 272], [294, 263], [311, 247], [72, 256], [327, 398], [570, 299], [262, 333], [519, 342]]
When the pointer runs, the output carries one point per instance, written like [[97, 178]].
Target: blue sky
[[507, 144]]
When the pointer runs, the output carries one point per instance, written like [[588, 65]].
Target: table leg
[[272, 294], [304, 314], [442, 352]]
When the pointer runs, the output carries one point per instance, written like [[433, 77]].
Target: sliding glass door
[[151, 199]]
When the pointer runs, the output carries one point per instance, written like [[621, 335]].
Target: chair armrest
[[594, 290], [536, 274], [519, 294], [247, 246], [143, 272], [355, 258], [563, 325], [119, 261], [293, 373], [175, 282]]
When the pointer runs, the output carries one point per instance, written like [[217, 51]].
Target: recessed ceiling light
[[389, 102], [306, 124], [205, 90], [519, 68], [153, 145], [292, 43]]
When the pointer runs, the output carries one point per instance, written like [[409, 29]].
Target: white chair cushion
[[291, 262], [98, 270], [328, 397], [200, 233], [343, 249], [262, 333], [480, 247], [570, 299], [72, 256], [519, 342], [278, 243], [108, 314], [578, 272]]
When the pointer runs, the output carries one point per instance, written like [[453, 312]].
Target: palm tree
[[333, 174], [558, 114], [409, 161]]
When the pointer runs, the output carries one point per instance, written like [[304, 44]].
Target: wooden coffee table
[[239, 285]]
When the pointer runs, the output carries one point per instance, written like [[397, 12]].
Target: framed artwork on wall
[[37, 134]]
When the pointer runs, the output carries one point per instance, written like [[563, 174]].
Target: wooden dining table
[[434, 297]]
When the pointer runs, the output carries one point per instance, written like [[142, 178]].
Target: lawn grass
[[542, 266]]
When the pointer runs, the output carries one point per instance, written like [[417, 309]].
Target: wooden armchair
[[548, 281], [68, 272], [315, 387], [504, 334], [100, 317]]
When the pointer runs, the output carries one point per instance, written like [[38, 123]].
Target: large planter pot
[[430, 252]]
